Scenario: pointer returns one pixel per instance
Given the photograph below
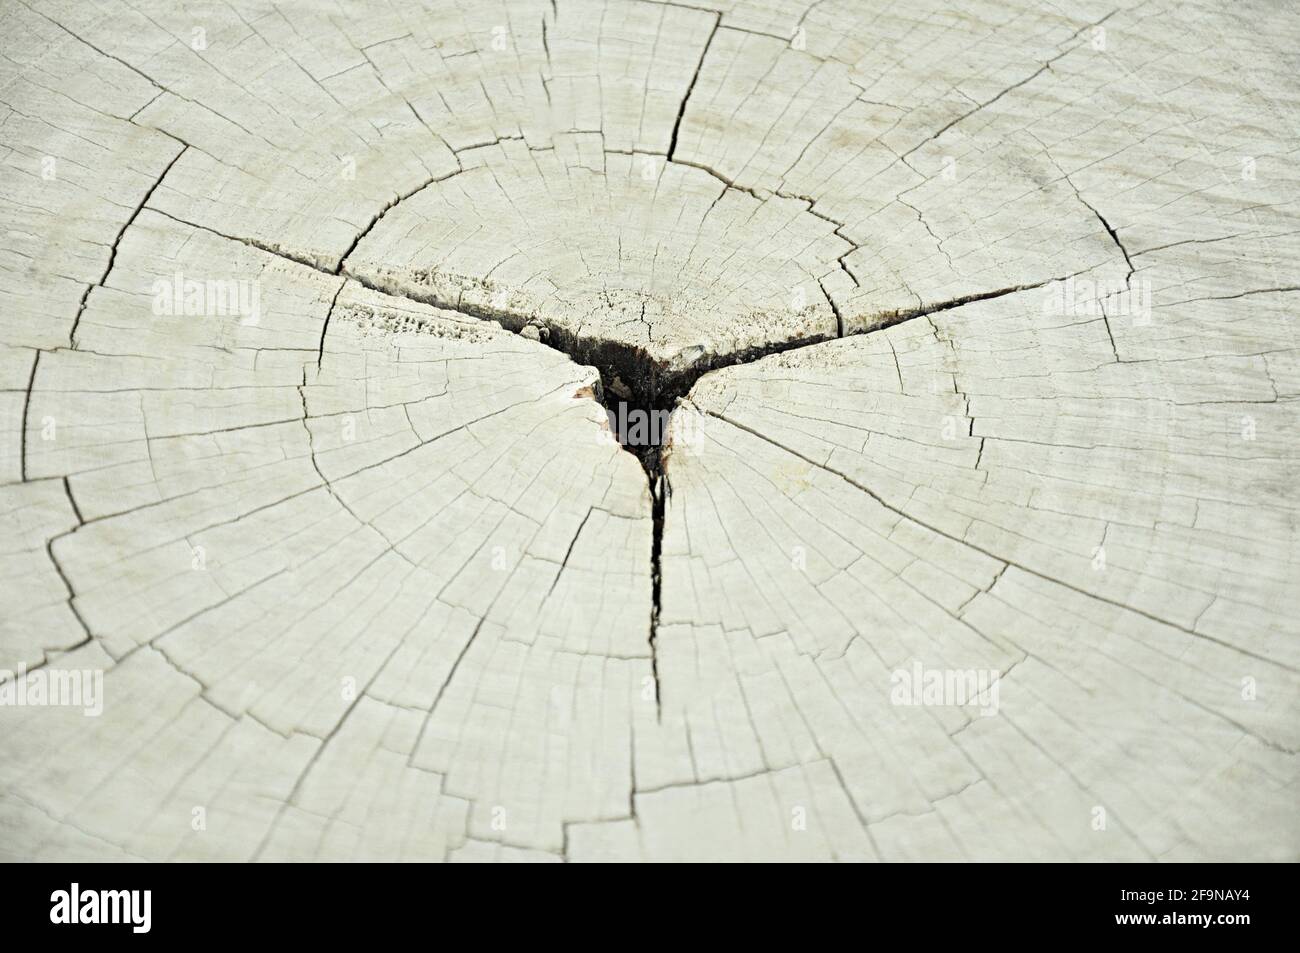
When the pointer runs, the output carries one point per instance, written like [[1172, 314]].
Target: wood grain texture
[[982, 317]]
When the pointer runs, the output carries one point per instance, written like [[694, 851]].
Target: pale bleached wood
[[367, 576]]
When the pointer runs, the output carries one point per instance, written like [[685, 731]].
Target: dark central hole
[[637, 394]]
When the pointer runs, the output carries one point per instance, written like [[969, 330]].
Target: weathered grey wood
[[366, 574], [1117, 551]]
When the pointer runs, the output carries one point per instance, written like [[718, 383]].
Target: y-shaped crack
[[646, 388]]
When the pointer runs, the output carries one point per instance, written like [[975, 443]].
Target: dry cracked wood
[[301, 449]]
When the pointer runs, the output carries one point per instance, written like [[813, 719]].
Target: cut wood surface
[[975, 534]]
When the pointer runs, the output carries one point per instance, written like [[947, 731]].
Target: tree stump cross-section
[[623, 430]]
